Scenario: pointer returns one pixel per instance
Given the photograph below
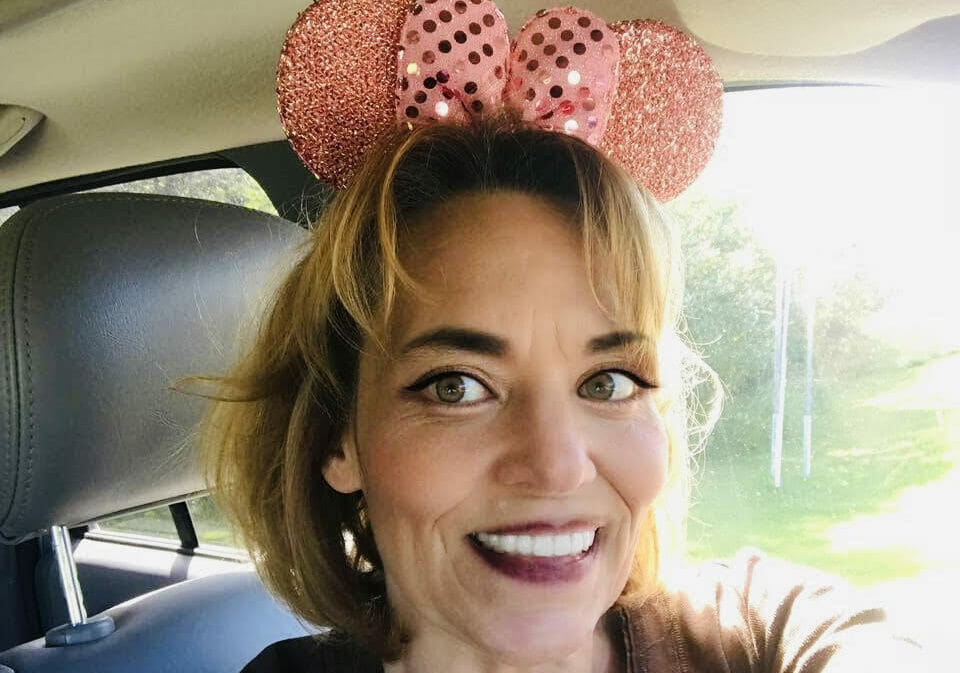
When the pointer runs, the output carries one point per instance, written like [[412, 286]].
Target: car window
[[820, 249], [152, 523], [211, 526], [7, 213], [225, 185]]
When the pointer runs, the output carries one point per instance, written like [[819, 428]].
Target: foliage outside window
[[857, 217], [211, 527], [224, 185], [846, 199], [156, 523]]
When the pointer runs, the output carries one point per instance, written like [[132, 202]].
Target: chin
[[531, 639]]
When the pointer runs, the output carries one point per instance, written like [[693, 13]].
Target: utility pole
[[781, 332], [811, 309]]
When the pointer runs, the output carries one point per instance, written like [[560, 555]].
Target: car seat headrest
[[108, 300]]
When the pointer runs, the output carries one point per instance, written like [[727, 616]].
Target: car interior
[[113, 295]]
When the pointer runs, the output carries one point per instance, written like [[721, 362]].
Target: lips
[[540, 553]]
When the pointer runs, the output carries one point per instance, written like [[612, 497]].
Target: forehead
[[489, 230], [496, 261]]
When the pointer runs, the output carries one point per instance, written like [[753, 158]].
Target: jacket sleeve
[[764, 615]]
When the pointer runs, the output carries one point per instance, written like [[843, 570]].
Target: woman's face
[[508, 450]]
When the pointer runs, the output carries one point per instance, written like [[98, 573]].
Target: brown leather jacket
[[750, 615]]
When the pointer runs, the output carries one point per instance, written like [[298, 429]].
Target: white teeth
[[566, 544], [543, 545]]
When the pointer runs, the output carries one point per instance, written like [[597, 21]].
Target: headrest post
[[79, 629], [63, 550]]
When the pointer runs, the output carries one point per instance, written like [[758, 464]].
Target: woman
[[465, 444], [460, 439]]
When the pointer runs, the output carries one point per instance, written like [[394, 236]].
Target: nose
[[547, 453]]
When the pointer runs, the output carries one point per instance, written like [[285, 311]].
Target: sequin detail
[[562, 36], [470, 45], [667, 109]]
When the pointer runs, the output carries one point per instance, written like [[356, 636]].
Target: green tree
[[224, 185], [729, 314], [729, 294]]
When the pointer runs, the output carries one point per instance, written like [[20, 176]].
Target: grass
[[883, 486]]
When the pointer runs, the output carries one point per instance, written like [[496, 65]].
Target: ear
[[342, 471]]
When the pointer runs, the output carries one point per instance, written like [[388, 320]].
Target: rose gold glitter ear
[[336, 82], [667, 109], [642, 92]]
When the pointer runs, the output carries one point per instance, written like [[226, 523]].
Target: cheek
[[635, 459], [415, 475]]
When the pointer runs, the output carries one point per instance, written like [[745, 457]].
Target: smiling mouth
[[542, 558], [543, 546]]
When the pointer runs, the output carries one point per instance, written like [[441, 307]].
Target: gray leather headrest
[[108, 299]]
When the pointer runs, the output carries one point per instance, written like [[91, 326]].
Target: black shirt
[[314, 654]]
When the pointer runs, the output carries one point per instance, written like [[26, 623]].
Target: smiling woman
[[461, 438], [438, 373], [508, 464]]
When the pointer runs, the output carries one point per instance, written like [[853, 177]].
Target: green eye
[[455, 389], [608, 386], [450, 389]]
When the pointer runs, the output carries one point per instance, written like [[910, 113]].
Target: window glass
[[7, 213], [226, 185], [820, 249], [210, 525], [156, 522]]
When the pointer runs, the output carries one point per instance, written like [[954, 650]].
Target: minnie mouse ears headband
[[643, 93]]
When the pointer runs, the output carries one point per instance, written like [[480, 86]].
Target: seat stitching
[[127, 197], [29, 238], [9, 369]]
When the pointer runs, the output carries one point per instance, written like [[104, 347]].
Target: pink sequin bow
[[642, 92]]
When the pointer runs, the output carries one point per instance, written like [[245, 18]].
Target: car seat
[[108, 300]]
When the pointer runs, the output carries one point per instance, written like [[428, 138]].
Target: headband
[[640, 91]]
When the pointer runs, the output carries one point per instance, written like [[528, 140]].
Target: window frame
[[26, 195], [188, 542]]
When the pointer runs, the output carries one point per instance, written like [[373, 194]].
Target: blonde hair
[[278, 417]]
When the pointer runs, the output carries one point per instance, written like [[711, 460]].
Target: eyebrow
[[612, 341], [458, 338], [484, 343]]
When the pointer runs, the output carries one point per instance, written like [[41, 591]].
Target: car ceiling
[[139, 81]]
